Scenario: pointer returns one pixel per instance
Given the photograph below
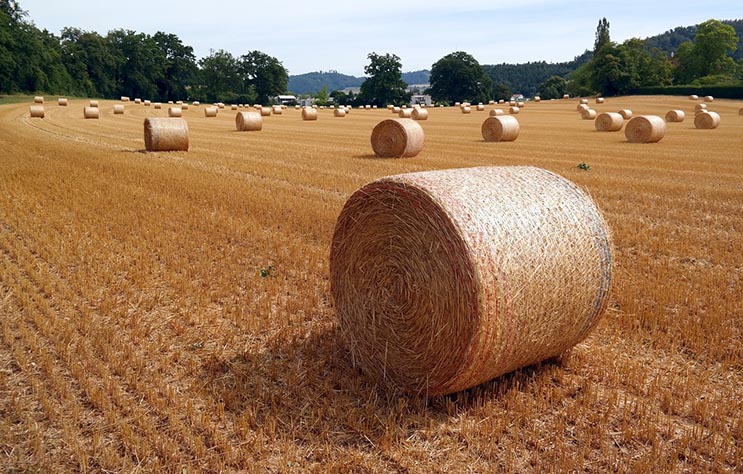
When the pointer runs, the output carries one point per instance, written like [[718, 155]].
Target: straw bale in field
[[248, 121], [740, 111], [600, 100], [118, 109], [443, 280], [124, 98], [693, 97], [396, 110], [480, 107], [581, 107], [137, 100], [62, 102], [165, 134], [397, 138], [36, 111], [265, 111], [38, 99], [184, 107], [420, 114], [147, 103], [195, 103], [405, 113], [626, 114], [566, 96], [588, 114], [175, 112], [537, 98], [309, 114], [708, 98], [584, 101], [211, 111], [277, 110], [91, 112], [707, 120], [233, 107], [513, 110], [93, 103], [466, 109], [645, 129], [609, 122], [699, 107], [520, 104], [339, 112], [496, 112], [157, 105], [500, 128], [675, 116]]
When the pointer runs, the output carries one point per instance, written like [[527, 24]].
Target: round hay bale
[[675, 116], [210, 111], [396, 110], [397, 138], [248, 121], [339, 112], [466, 110], [297, 107], [91, 112], [502, 128], [157, 105], [537, 98], [195, 103], [457, 104], [220, 105], [520, 104], [491, 102], [175, 112], [740, 111], [124, 98], [405, 113], [309, 114], [600, 100], [513, 110], [645, 129], [180, 102], [147, 103], [693, 97], [277, 110], [38, 99], [36, 111], [420, 114], [700, 107], [496, 113], [626, 114], [609, 122], [581, 107], [512, 103], [708, 98], [165, 134], [265, 111], [390, 106], [137, 100], [588, 114], [367, 107], [93, 103], [584, 101], [566, 96], [501, 101], [233, 107], [707, 120], [62, 102], [443, 280], [480, 107], [184, 107], [118, 109]]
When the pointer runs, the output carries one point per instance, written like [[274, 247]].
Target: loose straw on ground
[[707, 120], [501, 128], [609, 122], [443, 280], [645, 129], [248, 121], [165, 134], [675, 116], [397, 138]]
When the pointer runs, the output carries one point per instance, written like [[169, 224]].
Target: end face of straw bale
[[491, 269], [609, 122], [309, 114], [513, 110], [211, 111], [36, 111], [500, 128], [93, 103], [645, 129], [588, 114], [626, 114], [405, 113], [420, 114], [707, 120], [249, 122], [397, 138], [165, 134]]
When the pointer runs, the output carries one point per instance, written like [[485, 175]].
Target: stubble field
[[138, 334]]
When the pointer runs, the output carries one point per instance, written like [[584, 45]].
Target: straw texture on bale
[[480, 107], [277, 110], [700, 107], [645, 129], [124, 98], [466, 109], [537, 98], [265, 111], [420, 114], [118, 109], [397, 138], [91, 112], [675, 116], [588, 114], [36, 111], [248, 121], [93, 103], [443, 280], [584, 101], [513, 110], [165, 134], [405, 113], [157, 105], [210, 111], [626, 114], [496, 112], [309, 114], [137, 100], [707, 120], [502, 128], [62, 102], [175, 112], [147, 103], [581, 107], [609, 122], [38, 99], [693, 97], [339, 112], [708, 98]]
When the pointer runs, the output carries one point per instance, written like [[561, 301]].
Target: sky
[[324, 35]]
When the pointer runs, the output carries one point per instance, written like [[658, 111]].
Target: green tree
[[502, 91], [141, 65], [220, 79], [553, 88], [602, 34], [579, 82], [263, 74], [322, 96], [384, 84], [91, 61], [180, 66], [611, 74], [457, 77], [709, 54]]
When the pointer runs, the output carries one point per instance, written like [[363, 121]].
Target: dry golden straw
[[62, 102], [397, 138], [513, 110], [675, 116], [277, 110], [265, 111], [537, 98], [581, 107], [600, 100], [157, 105], [480, 107], [520, 104], [609, 122], [405, 113], [210, 111], [625, 113], [708, 98], [339, 112], [707, 120], [196, 103], [233, 107], [93, 103], [584, 101], [645, 129], [588, 114], [91, 112], [699, 107], [396, 110], [124, 98], [566, 96], [147, 103], [309, 114], [137, 100], [466, 109], [36, 111], [502, 128], [184, 106], [118, 109], [420, 114], [175, 112], [165, 134], [443, 280], [248, 122], [38, 99], [496, 112], [693, 97]]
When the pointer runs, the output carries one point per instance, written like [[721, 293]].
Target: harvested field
[[171, 312]]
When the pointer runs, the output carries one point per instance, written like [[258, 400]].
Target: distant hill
[[313, 81], [416, 77], [671, 39]]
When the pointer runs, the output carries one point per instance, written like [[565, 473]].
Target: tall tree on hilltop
[[602, 34], [459, 77], [384, 84], [263, 74], [708, 55]]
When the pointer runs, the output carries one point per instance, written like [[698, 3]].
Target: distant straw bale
[[249, 122], [675, 116], [397, 138], [502, 128], [609, 122], [645, 129], [707, 120], [165, 134]]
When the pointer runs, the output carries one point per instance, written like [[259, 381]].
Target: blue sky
[[331, 34]]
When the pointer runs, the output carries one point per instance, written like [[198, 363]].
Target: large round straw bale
[[420, 114], [480, 107], [502, 128], [537, 98], [124, 98], [118, 109], [175, 112], [339, 112], [248, 121], [581, 107], [93, 103], [699, 107], [368, 107], [265, 111], [233, 107], [396, 110], [693, 97], [496, 112], [62, 102], [443, 280], [600, 100], [36, 111], [309, 114], [707, 120], [147, 103], [220, 105], [675, 116], [157, 105], [645, 129], [396, 138], [277, 110], [390, 107], [491, 102], [91, 112], [512, 103], [609, 122], [708, 98], [626, 114], [513, 110], [584, 101], [38, 99], [501, 101], [137, 100], [457, 104], [588, 114], [466, 109], [405, 113], [210, 111], [165, 134], [184, 107], [520, 104]]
